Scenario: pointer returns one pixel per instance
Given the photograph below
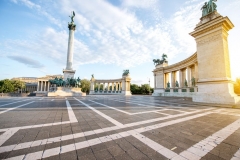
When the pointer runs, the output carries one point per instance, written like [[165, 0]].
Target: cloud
[[39, 9], [109, 34], [27, 61], [139, 4]]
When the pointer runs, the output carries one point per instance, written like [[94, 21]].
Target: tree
[[18, 84], [145, 89], [135, 89], [6, 86], [237, 86], [85, 85]]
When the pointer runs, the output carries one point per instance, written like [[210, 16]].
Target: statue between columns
[[209, 7]]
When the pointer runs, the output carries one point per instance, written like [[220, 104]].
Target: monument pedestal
[[159, 80], [68, 74], [214, 83], [65, 92]]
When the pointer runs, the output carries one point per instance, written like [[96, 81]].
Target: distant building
[[34, 84]]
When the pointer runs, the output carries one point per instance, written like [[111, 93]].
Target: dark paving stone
[[102, 154]]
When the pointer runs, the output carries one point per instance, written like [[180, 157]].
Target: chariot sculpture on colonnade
[[163, 60]]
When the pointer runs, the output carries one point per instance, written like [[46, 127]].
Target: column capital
[[71, 26]]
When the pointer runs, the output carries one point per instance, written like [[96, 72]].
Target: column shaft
[[189, 76]]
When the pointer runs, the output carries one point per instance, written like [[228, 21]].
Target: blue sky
[[111, 35]]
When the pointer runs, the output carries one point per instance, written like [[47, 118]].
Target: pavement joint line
[[92, 142], [71, 114], [155, 146], [15, 107], [5, 136], [125, 111], [13, 103], [236, 156], [124, 100], [111, 107], [87, 133], [205, 146], [156, 107], [102, 114], [163, 113]]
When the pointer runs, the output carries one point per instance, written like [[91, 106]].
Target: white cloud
[[113, 35], [139, 3]]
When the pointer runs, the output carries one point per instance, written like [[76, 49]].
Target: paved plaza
[[117, 127]]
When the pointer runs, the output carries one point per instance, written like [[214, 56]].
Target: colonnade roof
[[180, 65], [107, 80]]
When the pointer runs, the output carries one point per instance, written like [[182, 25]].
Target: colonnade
[[43, 86], [107, 86], [188, 74], [111, 86], [185, 73]]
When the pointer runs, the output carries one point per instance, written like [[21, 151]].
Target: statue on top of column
[[209, 7], [163, 60], [72, 17]]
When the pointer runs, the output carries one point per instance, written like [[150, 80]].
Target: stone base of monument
[[220, 93], [65, 92], [127, 93], [158, 92]]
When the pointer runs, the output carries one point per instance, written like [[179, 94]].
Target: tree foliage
[[7, 85], [85, 85], [143, 89], [237, 86]]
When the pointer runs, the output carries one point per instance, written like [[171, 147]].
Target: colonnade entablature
[[119, 86], [177, 78]]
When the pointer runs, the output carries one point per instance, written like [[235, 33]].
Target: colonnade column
[[180, 78], [189, 76], [117, 84], [108, 87], [196, 71], [38, 86], [172, 79], [44, 86], [99, 87]]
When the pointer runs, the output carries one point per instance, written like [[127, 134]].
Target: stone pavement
[[115, 127]]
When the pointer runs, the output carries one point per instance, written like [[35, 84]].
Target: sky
[[111, 36]]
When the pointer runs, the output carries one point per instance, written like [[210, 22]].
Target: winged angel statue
[[72, 16]]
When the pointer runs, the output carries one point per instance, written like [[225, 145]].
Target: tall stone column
[[214, 83], [99, 84], [38, 86], [180, 79], [69, 72], [189, 76], [44, 86], [173, 81]]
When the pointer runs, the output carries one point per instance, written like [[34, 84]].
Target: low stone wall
[[15, 94], [180, 94]]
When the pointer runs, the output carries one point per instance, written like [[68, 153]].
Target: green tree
[[135, 89], [85, 85], [237, 86], [18, 84], [6, 86], [145, 88]]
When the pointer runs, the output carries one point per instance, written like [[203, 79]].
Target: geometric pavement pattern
[[117, 127]]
